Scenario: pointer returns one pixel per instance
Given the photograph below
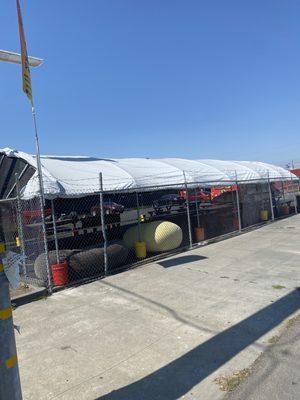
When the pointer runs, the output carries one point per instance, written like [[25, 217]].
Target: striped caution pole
[[10, 386]]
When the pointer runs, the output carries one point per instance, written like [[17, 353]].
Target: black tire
[[84, 263], [91, 262]]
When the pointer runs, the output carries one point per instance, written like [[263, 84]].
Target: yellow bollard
[[199, 234], [285, 209], [2, 248], [140, 249], [18, 241], [264, 215]]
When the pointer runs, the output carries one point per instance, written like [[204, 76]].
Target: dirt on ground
[[23, 289]]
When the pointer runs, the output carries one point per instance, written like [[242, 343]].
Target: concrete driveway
[[166, 330]]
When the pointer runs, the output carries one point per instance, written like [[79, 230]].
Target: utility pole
[[293, 166]]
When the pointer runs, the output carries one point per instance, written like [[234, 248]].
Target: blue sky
[[156, 78]]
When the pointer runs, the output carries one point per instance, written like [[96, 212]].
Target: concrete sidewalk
[[166, 330]]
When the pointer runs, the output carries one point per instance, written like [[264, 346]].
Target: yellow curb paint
[[10, 362], [5, 313]]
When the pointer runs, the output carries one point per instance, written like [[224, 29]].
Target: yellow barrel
[[264, 215], [199, 234], [159, 236], [140, 249], [285, 209], [18, 241]]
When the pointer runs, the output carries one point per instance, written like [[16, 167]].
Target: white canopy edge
[[79, 176]]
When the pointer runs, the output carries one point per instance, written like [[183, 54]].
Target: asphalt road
[[276, 375]]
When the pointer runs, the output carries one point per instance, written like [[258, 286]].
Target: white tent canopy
[[78, 176]]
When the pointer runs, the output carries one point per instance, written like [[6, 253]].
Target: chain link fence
[[23, 232], [91, 236]]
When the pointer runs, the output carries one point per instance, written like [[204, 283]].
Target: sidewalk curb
[[22, 299]]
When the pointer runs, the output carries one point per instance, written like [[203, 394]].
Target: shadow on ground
[[173, 262], [178, 377], [152, 304]]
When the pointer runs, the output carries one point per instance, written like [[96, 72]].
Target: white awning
[[79, 176]]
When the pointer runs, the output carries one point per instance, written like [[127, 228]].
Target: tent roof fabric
[[79, 176]]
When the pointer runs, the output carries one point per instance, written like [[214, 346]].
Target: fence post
[[55, 232], [283, 194], [295, 197], [270, 197], [103, 225], [188, 210], [238, 202], [20, 224], [138, 216], [261, 182], [197, 209], [10, 385], [298, 192], [44, 229]]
